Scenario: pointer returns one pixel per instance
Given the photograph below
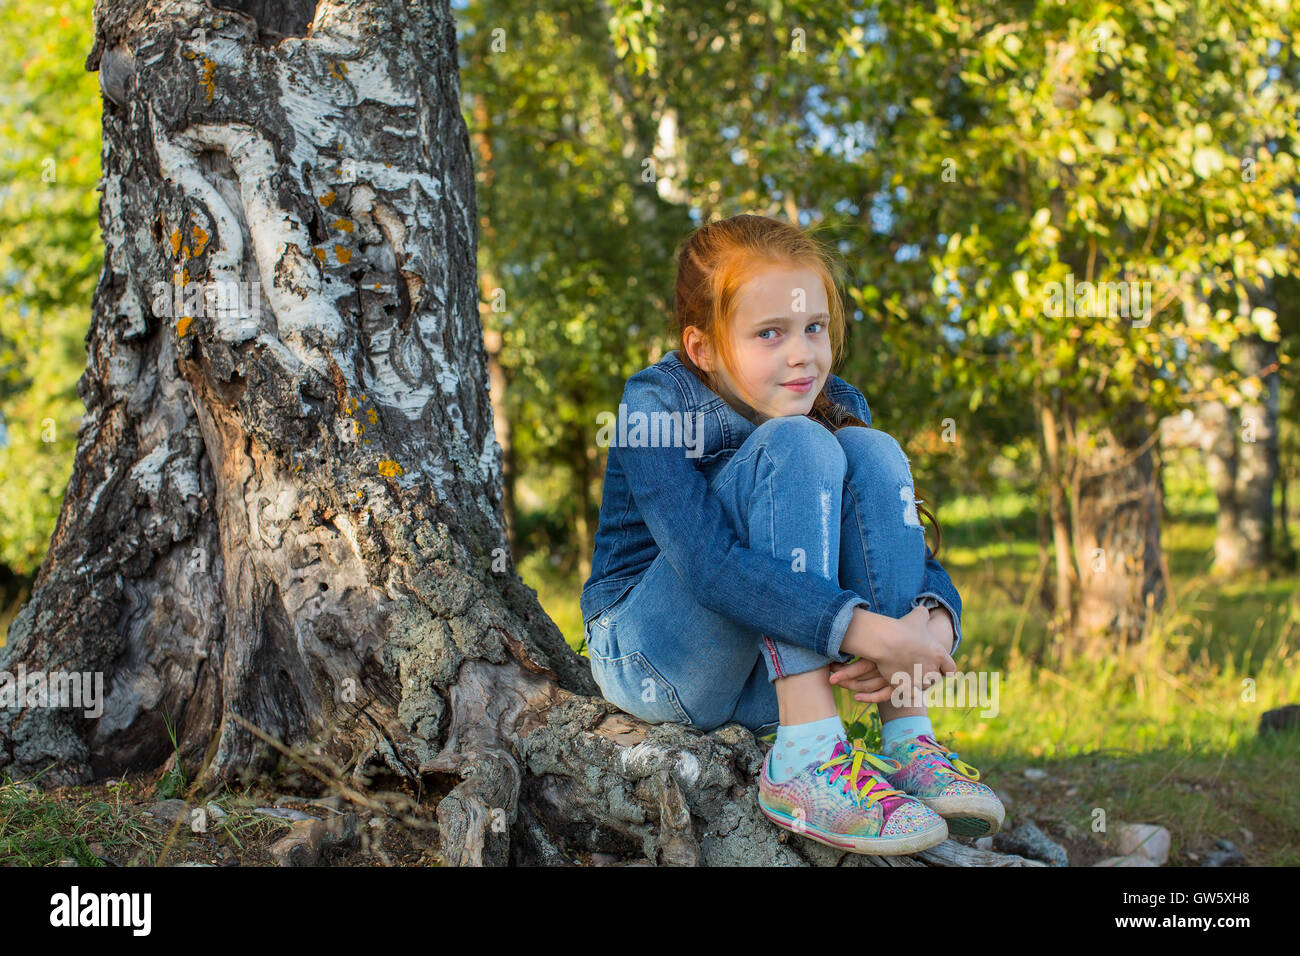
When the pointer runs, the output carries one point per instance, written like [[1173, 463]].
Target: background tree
[[50, 254]]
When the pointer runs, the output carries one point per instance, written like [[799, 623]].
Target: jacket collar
[[704, 393]]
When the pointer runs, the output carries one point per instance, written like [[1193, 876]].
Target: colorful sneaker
[[934, 775], [845, 804]]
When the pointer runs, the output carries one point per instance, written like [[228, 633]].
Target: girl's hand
[[909, 643], [861, 677], [940, 625]]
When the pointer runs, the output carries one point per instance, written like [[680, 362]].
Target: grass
[[81, 824], [1164, 731]]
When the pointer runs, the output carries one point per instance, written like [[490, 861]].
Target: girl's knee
[[800, 436], [872, 445]]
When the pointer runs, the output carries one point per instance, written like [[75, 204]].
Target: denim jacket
[[656, 497]]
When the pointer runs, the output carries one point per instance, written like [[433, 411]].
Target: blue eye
[[811, 324], [764, 332]]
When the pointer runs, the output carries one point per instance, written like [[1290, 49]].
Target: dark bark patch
[[287, 18]]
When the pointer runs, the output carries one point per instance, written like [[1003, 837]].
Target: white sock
[[900, 728], [798, 745]]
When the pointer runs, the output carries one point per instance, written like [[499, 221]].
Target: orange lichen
[[176, 242], [372, 415], [344, 254], [328, 199], [200, 241], [320, 253], [344, 224], [389, 469], [209, 86], [183, 325]]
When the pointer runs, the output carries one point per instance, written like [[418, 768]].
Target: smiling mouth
[[801, 381]]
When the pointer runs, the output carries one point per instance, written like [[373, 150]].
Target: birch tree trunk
[[286, 516]]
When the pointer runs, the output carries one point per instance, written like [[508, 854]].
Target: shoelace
[[926, 744], [871, 789]]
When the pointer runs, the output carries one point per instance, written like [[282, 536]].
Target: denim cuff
[[839, 628], [930, 599]]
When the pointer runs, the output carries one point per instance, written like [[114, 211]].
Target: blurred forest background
[[959, 158]]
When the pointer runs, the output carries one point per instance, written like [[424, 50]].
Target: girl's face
[[780, 342]]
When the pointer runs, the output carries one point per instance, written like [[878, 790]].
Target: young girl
[[756, 535]]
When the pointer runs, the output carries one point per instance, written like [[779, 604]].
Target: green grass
[[45, 828], [1164, 731]]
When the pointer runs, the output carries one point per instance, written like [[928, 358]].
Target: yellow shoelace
[[842, 762], [961, 766]]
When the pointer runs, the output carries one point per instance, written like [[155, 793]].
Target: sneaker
[[934, 775], [845, 804]]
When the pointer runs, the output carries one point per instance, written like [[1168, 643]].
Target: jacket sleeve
[[697, 539], [938, 585]]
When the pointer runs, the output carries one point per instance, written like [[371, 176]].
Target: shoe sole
[[901, 845], [967, 815]]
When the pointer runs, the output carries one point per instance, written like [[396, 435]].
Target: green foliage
[[50, 257]]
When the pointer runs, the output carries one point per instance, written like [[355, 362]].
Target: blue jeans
[[831, 503]]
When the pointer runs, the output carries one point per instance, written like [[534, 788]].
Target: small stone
[[1033, 773], [1224, 854], [603, 859], [984, 843], [170, 811], [1125, 861], [215, 813], [283, 813], [1143, 839]]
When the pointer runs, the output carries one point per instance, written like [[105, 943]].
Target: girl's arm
[[756, 590]]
